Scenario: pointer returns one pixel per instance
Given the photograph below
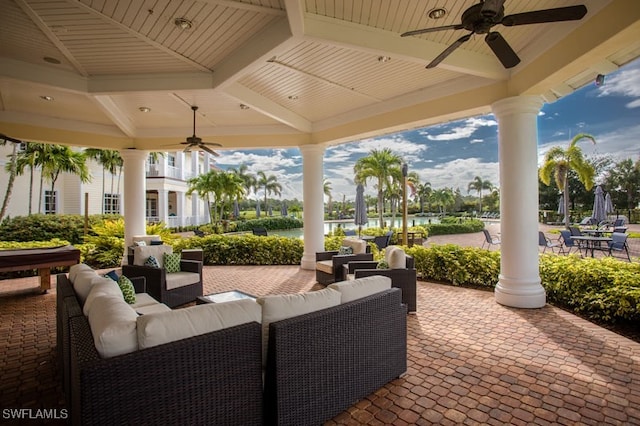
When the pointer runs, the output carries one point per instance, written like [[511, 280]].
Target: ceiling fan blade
[[449, 50], [187, 148], [501, 48], [491, 8], [569, 13], [430, 30], [209, 150]]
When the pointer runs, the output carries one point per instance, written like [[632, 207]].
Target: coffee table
[[225, 296]]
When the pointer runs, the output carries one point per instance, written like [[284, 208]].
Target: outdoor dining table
[[596, 232], [591, 242]]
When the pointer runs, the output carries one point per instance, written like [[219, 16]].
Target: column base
[[520, 294], [308, 261]]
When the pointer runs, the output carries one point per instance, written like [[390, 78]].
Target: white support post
[[313, 204]]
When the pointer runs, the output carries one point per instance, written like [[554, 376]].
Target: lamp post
[[405, 170]]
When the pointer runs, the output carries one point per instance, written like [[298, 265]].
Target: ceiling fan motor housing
[[474, 20]]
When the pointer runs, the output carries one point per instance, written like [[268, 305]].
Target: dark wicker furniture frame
[[157, 283], [319, 364], [214, 378], [338, 260], [404, 279]]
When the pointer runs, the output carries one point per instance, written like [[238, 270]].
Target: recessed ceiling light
[[51, 60], [383, 59], [243, 106], [293, 97], [183, 23], [144, 109], [46, 98], [437, 13]]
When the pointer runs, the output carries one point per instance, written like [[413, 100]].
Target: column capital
[[312, 149], [133, 154], [517, 105]]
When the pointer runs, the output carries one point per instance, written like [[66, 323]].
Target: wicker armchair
[[402, 278], [329, 263], [160, 284]]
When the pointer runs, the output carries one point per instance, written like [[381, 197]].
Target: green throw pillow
[[126, 286], [382, 265], [345, 250], [172, 262], [152, 262]]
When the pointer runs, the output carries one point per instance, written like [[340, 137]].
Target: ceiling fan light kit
[[196, 142], [482, 17]]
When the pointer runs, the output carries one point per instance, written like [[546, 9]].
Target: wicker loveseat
[[329, 263], [212, 378]]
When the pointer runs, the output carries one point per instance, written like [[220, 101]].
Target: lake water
[[330, 226]]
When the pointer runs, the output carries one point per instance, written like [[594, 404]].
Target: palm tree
[[478, 185], [110, 161], [558, 162], [28, 157], [423, 191], [202, 185], [443, 198], [269, 184], [232, 187], [11, 167], [380, 165], [626, 176], [59, 159]]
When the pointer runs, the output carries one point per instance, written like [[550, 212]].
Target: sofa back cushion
[[101, 287], [164, 327], [279, 307], [113, 326], [396, 258], [142, 253], [358, 246], [83, 283], [361, 287], [74, 269]]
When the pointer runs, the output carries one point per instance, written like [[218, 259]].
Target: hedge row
[[269, 223], [41, 227]]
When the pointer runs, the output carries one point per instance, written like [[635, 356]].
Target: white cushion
[[83, 283], [276, 308], [113, 325], [164, 327], [397, 259], [146, 239], [142, 253], [101, 287], [325, 266], [180, 279], [361, 287], [358, 246], [143, 299], [152, 309], [73, 270], [387, 253]]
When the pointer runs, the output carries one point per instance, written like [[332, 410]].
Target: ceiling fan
[[194, 141], [481, 17]]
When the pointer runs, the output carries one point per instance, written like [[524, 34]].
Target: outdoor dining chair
[[543, 241], [567, 242], [619, 243], [489, 240]]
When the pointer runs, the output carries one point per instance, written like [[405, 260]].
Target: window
[[112, 203], [50, 201], [151, 160], [152, 207], [171, 160]]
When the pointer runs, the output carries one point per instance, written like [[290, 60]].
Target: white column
[[134, 194], [195, 204], [313, 204], [180, 207], [519, 281], [163, 205]]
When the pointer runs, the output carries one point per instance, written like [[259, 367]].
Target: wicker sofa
[[212, 378]]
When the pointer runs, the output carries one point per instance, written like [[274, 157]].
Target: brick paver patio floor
[[470, 360]]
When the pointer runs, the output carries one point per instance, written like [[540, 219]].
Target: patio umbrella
[[283, 210], [608, 205], [599, 209], [361, 208], [236, 209], [258, 209], [270, 211]]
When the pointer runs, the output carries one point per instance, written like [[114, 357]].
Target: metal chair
[[619, 243], [489, 240], [543, 241], [567, 242]]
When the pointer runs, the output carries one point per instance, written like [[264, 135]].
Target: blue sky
[[451, 154]]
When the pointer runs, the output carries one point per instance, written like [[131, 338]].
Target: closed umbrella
[[599, 209], [270, 211], [236, 209], [283, 210], [258, 209], [608, 205], [361, 209]]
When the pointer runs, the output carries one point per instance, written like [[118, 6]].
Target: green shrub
[[456, 227], [245, 249], [41, 227], [15, 245], [269, 223]]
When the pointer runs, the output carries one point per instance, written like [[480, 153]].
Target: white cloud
[[459, 172], [633, 104], [623, 83], [472, 141], [468, 128]]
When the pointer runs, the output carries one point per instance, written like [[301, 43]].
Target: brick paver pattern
[[470, 360]]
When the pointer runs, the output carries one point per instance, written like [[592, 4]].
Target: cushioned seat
[[329, 263]]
